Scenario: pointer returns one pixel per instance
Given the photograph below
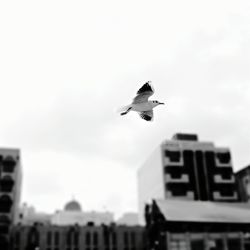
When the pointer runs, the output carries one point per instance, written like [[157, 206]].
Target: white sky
[[65, 66]]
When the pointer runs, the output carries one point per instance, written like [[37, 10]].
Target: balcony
[[217, 196], [218, 179], [183, 179], [173, 158], [9, 164], [189, 195]]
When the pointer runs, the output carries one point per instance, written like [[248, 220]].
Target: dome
[[72, 206]]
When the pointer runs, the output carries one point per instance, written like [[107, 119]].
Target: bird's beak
[[162, 103]]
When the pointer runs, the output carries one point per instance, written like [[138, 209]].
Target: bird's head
[[156, 103]]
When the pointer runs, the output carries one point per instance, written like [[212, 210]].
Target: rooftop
[[204, 211]]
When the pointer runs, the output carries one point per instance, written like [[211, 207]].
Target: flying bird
[[141, 104]]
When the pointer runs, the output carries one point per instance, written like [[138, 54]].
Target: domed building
[[72, 206], [73, 214]]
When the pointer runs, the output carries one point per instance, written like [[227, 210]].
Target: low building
[[128, 219], [197, 225], [77, 237], [73, 214], [28, 216]]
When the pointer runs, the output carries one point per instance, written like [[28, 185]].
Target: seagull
[[141, 104]]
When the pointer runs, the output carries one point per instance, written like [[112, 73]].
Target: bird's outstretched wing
[[147, 115], [144, 93]]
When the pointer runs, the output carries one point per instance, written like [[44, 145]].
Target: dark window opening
[[9, 164], [174, 156], [5, 204], [224, 157], [17, 238], [33, 237], [4, 219], [4, 229], [226, 176], [88, 238], [197, 244], [6, 184], [114, 238], [125, 238], [132, 237], [95, 238], [69, 239], [226, 192], [106, 235], [179, 192], [176, 175], [49, 238], [234, 244], [4, 243], [76, 238], [56, 239], [202, 178]]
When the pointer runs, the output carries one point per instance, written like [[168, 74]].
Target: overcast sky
[[66, 66]]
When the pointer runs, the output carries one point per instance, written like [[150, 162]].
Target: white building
[[73, 214], [128, 219], [189, 169], [28, 216]]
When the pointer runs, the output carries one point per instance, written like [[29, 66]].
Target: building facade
[[10, 192], [28, 216], [243, 181], [197, 225], [77, 237], [186, 168], [128, 219], [73, 214]]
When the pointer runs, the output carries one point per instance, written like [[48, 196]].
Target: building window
[[125, 238], [9, 164], [4, 219], [227, 190], [5, 204], [33, 238], [195, 245], [17, 238], [87, 238], [114, 238], [49, 238], [224, 158], [106, 235], [233, 244], [6, 184], [176, 175], [95, 238], [174, 156], [4, 229], [76, 238], [132, 237], [69, 240], [178, 189], [56, 238]]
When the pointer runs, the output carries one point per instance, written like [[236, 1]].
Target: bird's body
[[141, 104]]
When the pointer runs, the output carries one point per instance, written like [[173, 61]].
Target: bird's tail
[[124, 110]]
